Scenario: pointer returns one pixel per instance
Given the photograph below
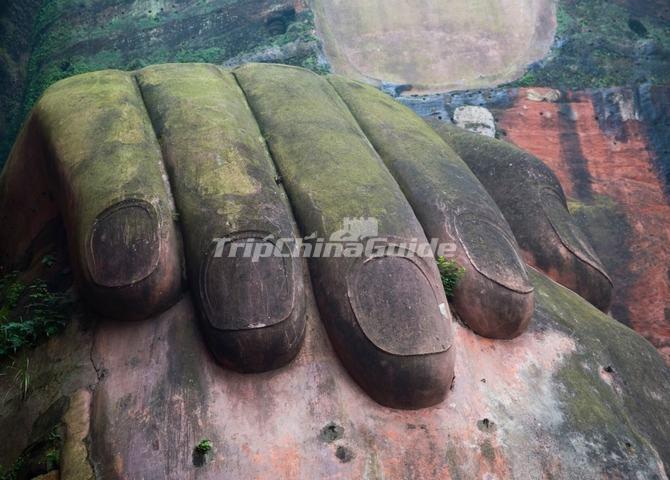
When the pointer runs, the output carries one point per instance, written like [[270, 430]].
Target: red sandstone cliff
[[603, 152]]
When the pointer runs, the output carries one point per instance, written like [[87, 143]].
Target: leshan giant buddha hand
[[150, 170]]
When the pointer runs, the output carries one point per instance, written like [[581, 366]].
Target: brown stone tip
[[252, 310]]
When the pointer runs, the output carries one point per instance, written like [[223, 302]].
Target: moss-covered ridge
[[614, 388]]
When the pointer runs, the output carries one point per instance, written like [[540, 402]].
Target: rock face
[[403, 46], [605, 44], [609, 149], [17, 20], [475, 119], [603, 147], [72, 37], [577, 396], [574, 394], [433, 45]]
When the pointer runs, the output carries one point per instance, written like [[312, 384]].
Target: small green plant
[[29, 314], [204, 447], [48, 260], [450, 273], [11, 289], [52, 459], [54, 436], [12, 473], [22, 378]]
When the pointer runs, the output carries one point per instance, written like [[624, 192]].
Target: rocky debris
[[475, 119]]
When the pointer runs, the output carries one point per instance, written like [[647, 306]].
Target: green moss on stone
[[72, 37], [597, 45], [628, 412], [322, 154], [607, 227]]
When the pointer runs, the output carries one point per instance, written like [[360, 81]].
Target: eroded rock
[[577, 394]]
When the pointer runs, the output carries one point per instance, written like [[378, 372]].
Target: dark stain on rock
[[638, 27], [344, 454], [571, 152], [125, 403], [486, 425], [331, 432], [653, 104], [488, 452], [606, 225], [200, 459], [607, 105]]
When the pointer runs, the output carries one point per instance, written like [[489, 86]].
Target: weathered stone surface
[[116, 199], [533, 202], [548, 389], [75, 462], [578, 396], [475, 119], [398, 347], [604, 148], [224, 185], [453, 207], [112, 193], [609, 149], [433, 45], [43, 41]]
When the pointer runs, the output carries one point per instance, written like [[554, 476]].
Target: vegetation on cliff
[[70, 37], [603, 43], [29, 313]]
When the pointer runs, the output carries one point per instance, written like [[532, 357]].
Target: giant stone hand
[[149, 170]]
